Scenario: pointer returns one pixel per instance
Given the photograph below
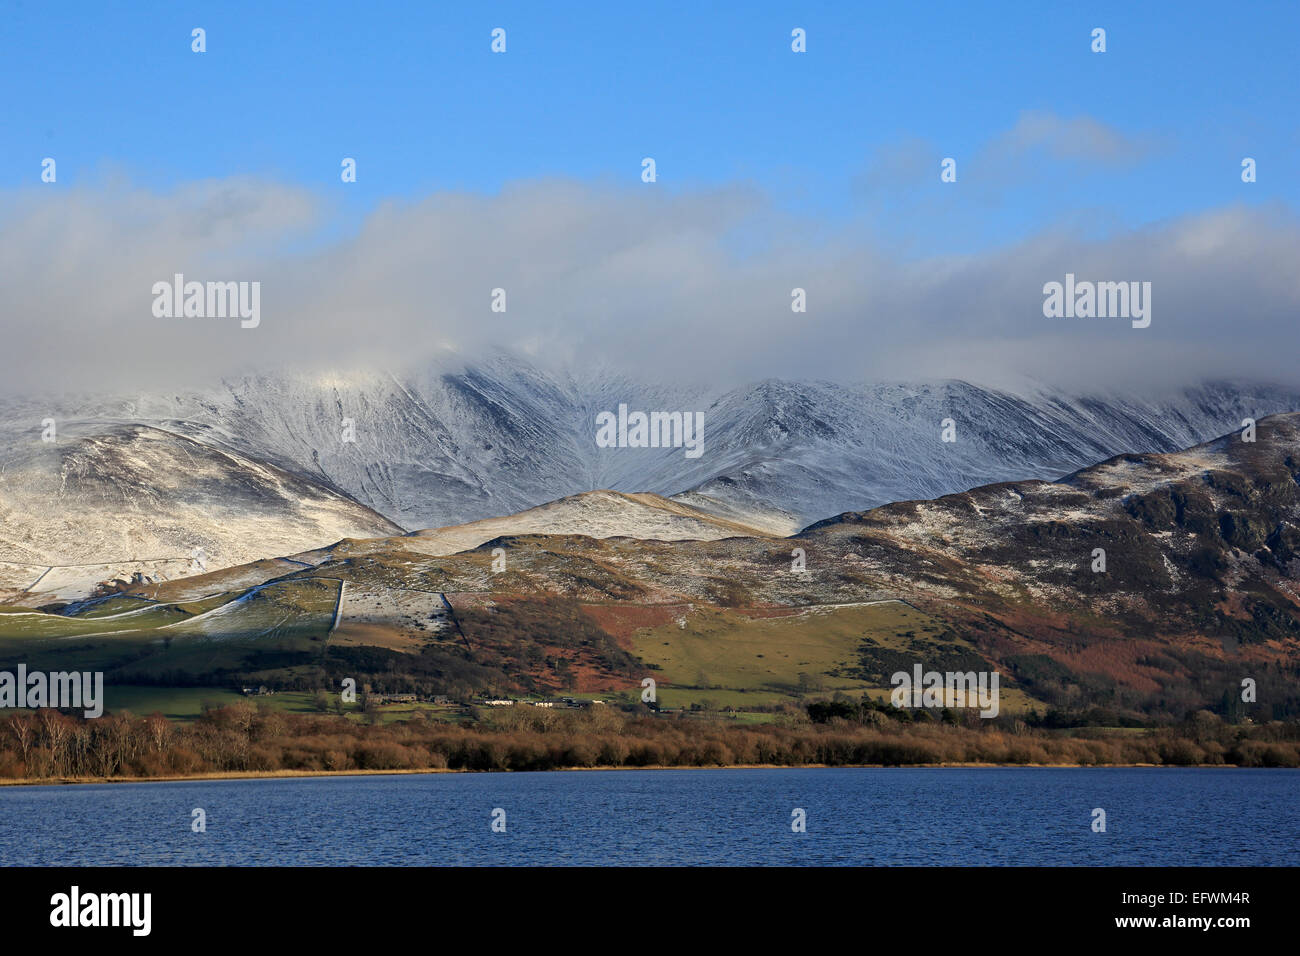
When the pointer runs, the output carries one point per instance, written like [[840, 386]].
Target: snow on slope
[[458, 444], [501, 437], [594, 514], [142, 500], [597, 514]]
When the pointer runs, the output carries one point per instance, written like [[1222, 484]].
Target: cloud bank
[[666, 284]]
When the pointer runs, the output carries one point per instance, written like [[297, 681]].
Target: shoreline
[[292, 774]]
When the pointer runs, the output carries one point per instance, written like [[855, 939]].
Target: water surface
[[923, 816]]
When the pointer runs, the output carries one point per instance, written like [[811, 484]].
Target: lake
[[922, 816]]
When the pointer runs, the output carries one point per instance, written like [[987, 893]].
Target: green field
[[720, 649], [186, 703], [217, 632], [723, 658], [177, 703]]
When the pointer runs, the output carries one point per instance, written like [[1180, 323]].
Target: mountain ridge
[[448, 446], [1146, 586]]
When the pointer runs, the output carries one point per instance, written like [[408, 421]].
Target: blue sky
[[712, 91], [777, 170]]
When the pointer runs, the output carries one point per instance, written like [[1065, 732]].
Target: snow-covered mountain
[[503, 436], [460, 444], [113, 501], [594, 514]]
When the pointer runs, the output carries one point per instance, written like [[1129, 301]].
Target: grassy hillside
[[733, 657]]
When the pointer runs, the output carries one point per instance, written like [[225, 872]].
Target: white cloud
[[639, 277], [1075, 138]]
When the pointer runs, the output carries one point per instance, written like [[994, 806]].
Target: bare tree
[[158, 730], [54, 731], [24, 731]]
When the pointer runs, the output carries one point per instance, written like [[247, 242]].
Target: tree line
[[243, 738]]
